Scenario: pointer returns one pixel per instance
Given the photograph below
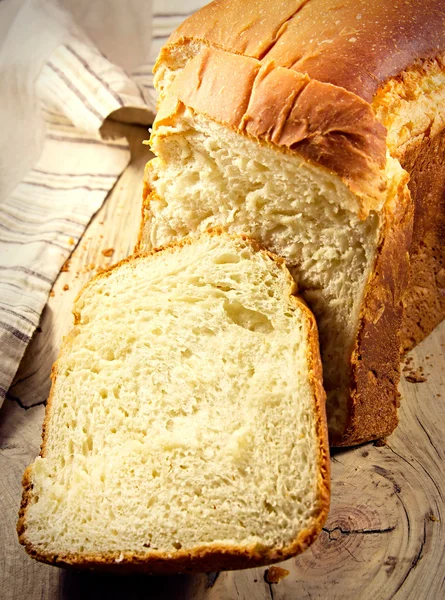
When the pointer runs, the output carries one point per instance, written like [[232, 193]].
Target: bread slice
[[185, 429], [302, 132]]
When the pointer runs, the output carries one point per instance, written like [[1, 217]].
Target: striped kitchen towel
[[63, 71]]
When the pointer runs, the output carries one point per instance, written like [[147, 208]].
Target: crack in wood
[[356, 531], [428, 436], [269, 585], [399, 455]]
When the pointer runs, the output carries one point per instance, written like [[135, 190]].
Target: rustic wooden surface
[[385, 534]]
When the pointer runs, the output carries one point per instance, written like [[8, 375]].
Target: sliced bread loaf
[[300, 124], [185, 428]]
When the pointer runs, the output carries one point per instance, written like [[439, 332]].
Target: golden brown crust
[[325, 124], [424, 300], [201, 558], [144, 205], [412, 107], [353, 44], [375, 362], [316, 374]]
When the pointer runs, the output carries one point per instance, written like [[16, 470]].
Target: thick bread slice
[[185, 429], [301, 131]]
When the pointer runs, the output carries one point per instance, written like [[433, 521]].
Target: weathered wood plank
[[385, 534]]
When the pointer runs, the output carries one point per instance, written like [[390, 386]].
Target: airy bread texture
[[298, 123], [206, 176], [185, 428]]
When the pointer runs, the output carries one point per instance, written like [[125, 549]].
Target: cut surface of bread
[[185, 428], [207, 176]]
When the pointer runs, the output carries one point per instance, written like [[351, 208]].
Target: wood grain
[[385, 534]]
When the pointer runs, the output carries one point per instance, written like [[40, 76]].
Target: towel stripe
[[83, 62], [80, 140], [71, 188], [28, 272], [73, 88], [18, 315], [175, 15], [54, 174], [39, 241], [15, 332], [21, 306]]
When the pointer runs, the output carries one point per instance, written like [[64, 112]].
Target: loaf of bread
[[300, 123], [186, 427]]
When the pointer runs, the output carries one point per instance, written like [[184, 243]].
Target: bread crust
[[375, 361], [424, 301], [354, 44], [324, 124], [203, 558]]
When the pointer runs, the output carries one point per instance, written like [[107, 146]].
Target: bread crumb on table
[[275, 574], [66, 266], [414, 376], [66, 287], [108, 252]]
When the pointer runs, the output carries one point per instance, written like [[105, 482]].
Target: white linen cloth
[[64, 68]]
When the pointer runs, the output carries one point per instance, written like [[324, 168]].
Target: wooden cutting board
[[385, 535]]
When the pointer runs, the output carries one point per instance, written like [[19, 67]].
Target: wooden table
[[385, 534]]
